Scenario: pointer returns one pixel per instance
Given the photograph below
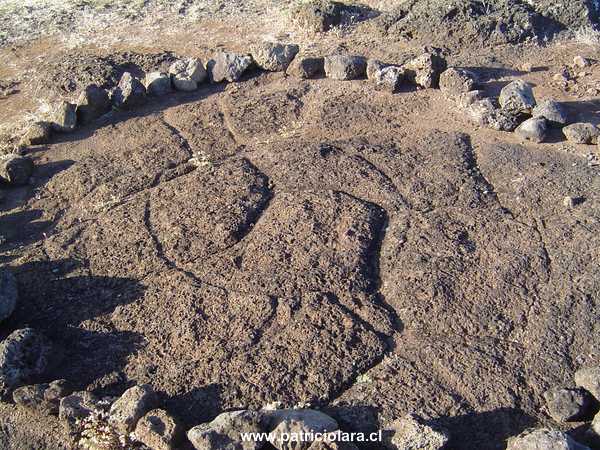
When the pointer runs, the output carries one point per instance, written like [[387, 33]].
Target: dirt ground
[[369, 253]]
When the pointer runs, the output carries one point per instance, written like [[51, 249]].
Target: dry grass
[[587, 36]]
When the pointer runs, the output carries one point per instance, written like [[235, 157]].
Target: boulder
[[581, 133], [284, 423], [229, 66], [187, 74], [425, 70], [534, 129], [341, 67], [15, 169], [389, 78], [319, 15], [568, 405], [38, 133], [224, 432], [93, 102], [517, 98], [306, 67], [454, 82], [545, 439], [24, 357], [76, 406], [589, 379], [32, 397], [9, 293], [274, 56], [595, 426], [412, 432], [158, 430], [64, 117], [158, 83], [130, 407], [57, 389], [129, 93], [486, 113], [374, 66], [552, 111]]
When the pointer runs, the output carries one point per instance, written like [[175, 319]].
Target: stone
[[581, 133], [9, 294], [486, 113], [412, 432], [223, 433], [129, 93], [374, 66], [341, 67], [545, 439], [64, 118], [38, 133], [589, 379], [306, 67], [568, 405], [466, 99], [187, 74], [229, 66], [24, 357], [534, 129], [389, 78], [32, 397], [517, 98], [15, 169], [425, 70], [130, 407], [274, 56], [76, 406], [580, 61], [158, 430], [319, 15], [158, 83], [552, 111], [454, 82], [595, 426], [287, 422], [93, 103]]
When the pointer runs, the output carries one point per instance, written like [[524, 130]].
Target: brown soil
[[373, 254]]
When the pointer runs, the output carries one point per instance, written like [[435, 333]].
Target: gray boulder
[[286, 422], [466, 99], [24, 357], [158, 430], [413, 432], [517, 98], [545, 439], [9, 294], [568, 405], [64, 117], [552, 111], [273, 56], [229, 67], [224, 432], [187, 74], [581, 133], [595, 426], [306, 67], [129, 93], [15, 169], [76, 406], [319, 15], [57, 389], [425, 70], [374, 66], [130, 407], [32, 397], [534, 129], [589, 379], [454, 82], [38, 133], [486, 113], [158, 83], [93, 102], [341, 67]]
